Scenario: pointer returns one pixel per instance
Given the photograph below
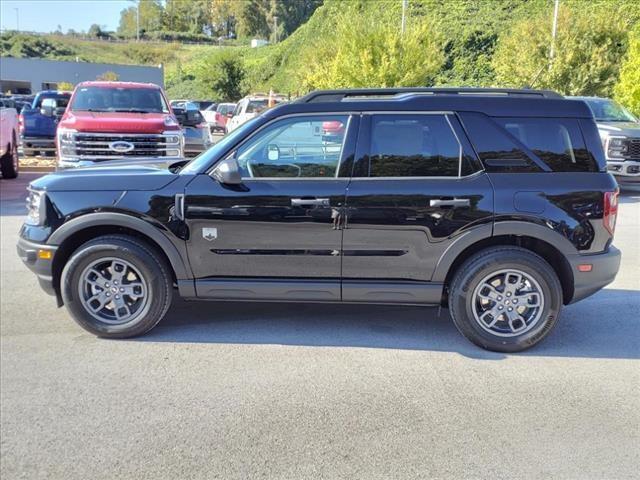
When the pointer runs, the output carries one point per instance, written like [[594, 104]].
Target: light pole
[[17, 19], [554, 30], [403, 24]]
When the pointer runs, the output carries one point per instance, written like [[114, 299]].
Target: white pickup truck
[[9, 134]]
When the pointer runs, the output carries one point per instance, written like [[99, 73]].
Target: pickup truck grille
[[100, 146], [634, 149]]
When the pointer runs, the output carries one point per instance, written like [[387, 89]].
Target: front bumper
[[157, 162], [626, 172], [604, 268], [31, 256]]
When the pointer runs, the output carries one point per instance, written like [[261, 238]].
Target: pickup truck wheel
[[116, 287], [9, 162], [505, 299]]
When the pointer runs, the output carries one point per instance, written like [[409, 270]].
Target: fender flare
[[508, 227], [177, 256]]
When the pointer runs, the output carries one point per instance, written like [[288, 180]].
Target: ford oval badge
[[121, 146]]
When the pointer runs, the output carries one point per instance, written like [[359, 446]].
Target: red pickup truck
[[122, 122]]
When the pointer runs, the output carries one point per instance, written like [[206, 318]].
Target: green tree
[[588, 51], [221, 75], [68, 86], [151, 14], [293, 13], [372, 52], [193, 16], [95, 31], [627, 91]]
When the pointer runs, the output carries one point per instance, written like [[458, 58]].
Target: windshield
[[134, 100], [61, 100], [605, 110], [205, 158]]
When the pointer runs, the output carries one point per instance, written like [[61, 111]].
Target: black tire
[[149, 264], [463, 298], [9, 162]]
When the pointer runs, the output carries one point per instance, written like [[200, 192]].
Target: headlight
[[36, 208], [66, 134], [618, 147], [169, 121]]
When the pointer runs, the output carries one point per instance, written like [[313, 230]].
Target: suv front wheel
[[116, 286], [505, 299]]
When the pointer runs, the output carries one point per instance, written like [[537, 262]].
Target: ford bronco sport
[[493, 202]]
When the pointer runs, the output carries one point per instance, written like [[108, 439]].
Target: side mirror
[[227, 172], [229, 114], [273, 153], [48, 107]]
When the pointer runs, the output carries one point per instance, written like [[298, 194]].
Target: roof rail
[[392, 93]]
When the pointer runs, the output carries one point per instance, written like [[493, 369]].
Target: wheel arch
[[531, 237], [78, 231]]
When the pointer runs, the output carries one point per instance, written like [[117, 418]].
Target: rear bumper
[[47, 144], [43, 268], [604, 268]]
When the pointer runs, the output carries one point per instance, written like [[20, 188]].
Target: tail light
[[610, 211], [21, 123]]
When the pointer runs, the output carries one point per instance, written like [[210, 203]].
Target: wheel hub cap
[[508, 303]]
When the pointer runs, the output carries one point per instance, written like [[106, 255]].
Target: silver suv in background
[[620, 135]]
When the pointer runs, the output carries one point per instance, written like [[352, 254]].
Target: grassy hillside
[[473, 43]]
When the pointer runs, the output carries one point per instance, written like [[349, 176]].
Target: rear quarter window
[[557, 142]]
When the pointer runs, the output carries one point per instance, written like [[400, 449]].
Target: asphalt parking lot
[[231, 391]]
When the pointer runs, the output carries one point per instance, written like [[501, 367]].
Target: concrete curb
[[28, 169]]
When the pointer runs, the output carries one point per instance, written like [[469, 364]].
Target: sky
[[46, 15]]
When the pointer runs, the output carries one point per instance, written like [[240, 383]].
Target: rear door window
[[557, 142], [413, 146]]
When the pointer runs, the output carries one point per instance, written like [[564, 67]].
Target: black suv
[[493, 202]]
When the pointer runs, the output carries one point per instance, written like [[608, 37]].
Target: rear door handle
[[455, 202], [310, 202]]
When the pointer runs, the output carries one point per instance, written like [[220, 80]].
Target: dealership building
[[28, 75]]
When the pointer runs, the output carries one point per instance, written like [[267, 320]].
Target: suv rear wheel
[[505, 299], [116, 286]]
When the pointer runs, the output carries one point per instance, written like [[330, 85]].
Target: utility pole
[[275, 29], [404, 16], [17, 19], [554, 30], [138, 21]]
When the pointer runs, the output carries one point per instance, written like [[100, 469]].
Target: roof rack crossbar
[[343, 94]]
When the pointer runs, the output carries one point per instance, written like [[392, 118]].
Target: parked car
[[250, 107], [200, 104], [620, 135], [218, 116], [38, 125], [9, 134], [118, 121], [197, 137], [493, 202]]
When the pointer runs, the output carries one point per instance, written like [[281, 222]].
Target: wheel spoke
[[119, 307], [118, 270], [492, 316], [100, 279], [512, 281], [133, 290], [528, 299], [516, 322], [488, 292], [102, 299]]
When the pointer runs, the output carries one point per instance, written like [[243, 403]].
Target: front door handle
[[310, 202], [454, 202]]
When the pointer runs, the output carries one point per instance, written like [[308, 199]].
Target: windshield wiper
[[131, 110]]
